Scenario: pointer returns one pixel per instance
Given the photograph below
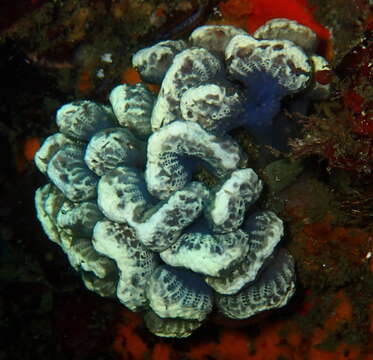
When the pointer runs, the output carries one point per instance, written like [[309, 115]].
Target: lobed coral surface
[[123, 200]]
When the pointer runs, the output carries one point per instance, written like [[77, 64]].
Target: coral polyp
[[124, 201]]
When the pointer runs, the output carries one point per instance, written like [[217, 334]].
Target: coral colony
[[123, 200]]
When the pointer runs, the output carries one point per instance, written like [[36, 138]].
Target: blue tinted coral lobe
[[122, 201]]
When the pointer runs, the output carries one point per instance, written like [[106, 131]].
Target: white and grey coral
[[122, 201]]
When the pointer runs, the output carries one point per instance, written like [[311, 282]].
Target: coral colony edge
[[123, 202]]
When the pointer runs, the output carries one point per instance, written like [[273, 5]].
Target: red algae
[[202, 350], [323, 77], [323, 234], [307, 305], [341, 313], [236, 8], [275, 339], [31, 146], [353, 101], [328, 253], [162, 351], [233, 344], [342, 352], [130, 76], [371, 318], [128, 344], [339, 318], [85, 81], [267, 345], [235, 12], [25, 155]]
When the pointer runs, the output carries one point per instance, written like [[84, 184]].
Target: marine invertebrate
[[124, 203]]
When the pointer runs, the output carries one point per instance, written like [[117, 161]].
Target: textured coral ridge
[[124, 205]]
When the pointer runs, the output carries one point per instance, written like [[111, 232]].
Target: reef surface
[[320, 185]]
